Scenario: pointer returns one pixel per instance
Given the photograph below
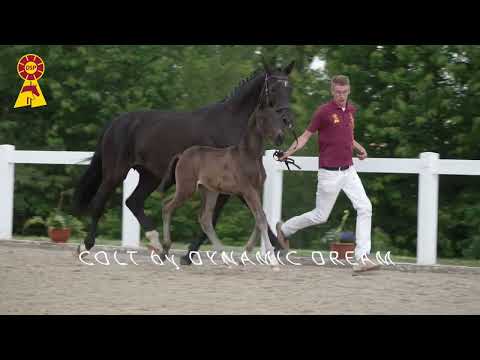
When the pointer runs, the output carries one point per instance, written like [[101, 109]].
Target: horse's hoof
[[154, 249], [78, 253], [81, 248], [185, 260], [281, 252]]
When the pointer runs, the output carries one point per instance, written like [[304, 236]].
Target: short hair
[[340, 80]]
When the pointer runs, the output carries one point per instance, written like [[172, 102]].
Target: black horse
[[147, 140]]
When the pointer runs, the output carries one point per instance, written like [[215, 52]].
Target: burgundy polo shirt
[[335, 134]]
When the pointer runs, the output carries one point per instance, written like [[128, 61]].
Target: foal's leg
[[195, 245], [252, 198], [273, 239], [183, 192], [205, 218], [253, 239]]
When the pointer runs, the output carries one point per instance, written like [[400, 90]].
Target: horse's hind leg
[[105, 190], [184, 191], [147, 183]]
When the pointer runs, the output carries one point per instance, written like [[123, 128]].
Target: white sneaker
[[365, 265]]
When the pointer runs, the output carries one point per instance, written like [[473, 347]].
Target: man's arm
[[362, 153], [302, 140]]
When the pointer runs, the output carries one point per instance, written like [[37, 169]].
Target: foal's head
[[270, 124]]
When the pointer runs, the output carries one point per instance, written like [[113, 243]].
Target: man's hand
[[284, 157], [362, 153], [296, 146]]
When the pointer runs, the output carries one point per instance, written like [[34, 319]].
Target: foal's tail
[[169, 176], [89, 182]]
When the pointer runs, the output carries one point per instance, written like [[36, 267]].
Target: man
[[334, 122]]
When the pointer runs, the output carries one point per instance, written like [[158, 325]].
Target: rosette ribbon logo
[[30, 68]]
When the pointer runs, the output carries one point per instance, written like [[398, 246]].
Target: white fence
[[9, 157], [428, 167]]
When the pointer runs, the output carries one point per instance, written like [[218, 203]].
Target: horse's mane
[[241, 84]]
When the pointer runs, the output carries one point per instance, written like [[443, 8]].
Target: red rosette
[[31, 67]]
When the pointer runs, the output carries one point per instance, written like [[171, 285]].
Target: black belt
[[338, 168]]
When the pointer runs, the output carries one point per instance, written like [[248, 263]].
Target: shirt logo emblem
[[336, 119]]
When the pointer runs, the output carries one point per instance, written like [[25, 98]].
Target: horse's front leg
[[253, 201], [273, 238], [252, 240]]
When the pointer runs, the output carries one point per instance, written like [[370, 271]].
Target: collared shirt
[[335, 134]]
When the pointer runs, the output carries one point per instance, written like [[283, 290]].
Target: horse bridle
[[278, 154], [267, 92]]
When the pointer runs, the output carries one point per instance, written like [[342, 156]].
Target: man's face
[[340, 94]]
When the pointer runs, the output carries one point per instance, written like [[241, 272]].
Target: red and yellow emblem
[[336, 119], [30, 68]]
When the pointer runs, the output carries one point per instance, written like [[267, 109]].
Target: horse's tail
[[89, 182], [169, 176]]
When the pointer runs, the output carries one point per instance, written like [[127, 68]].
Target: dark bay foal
[[235, 170]]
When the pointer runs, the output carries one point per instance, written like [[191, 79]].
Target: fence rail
[[9, 157]]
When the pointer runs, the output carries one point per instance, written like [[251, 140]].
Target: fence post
[[7, 180], [130, 224], [427, 209], [272, 191]]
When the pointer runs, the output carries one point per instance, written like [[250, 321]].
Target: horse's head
[[277, 90], [271, 125]]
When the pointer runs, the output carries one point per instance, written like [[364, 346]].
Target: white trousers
[[329, 185]]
